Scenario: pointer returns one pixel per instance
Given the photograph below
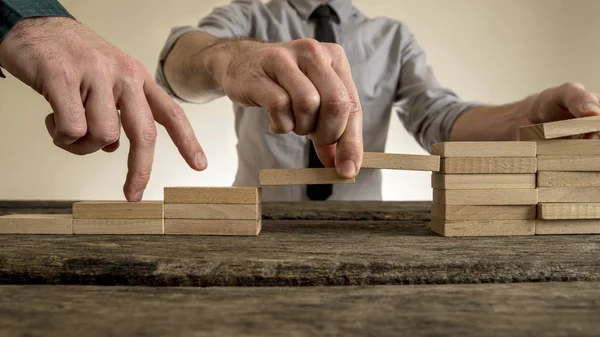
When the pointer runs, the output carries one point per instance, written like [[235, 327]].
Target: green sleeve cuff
[[13, 11]]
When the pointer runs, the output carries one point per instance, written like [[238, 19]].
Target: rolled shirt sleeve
[[427, 110]]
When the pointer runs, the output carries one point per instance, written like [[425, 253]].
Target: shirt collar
[[343, 8]]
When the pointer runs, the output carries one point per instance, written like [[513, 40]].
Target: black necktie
[[323, 33]]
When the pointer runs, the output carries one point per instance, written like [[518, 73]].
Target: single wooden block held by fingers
[[212, 195], [213, 211], [485, 149], [482, 181], [470, 212], [569, 194], [476, 165], [118, 226], [483, 227], [559, 129], [566, 211], [212, 227], [565, 227], [486, 197], [568, 147], [36, 224], [569, 163], [301, 176], [568, 179], [118, 210], [395, 161]]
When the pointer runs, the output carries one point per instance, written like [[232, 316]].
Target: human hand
[[86, 81], [305, 86]]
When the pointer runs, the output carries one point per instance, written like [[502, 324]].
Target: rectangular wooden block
[[559, 129], [213, 211], [394, 161], [488, 165], [568, 147], [212, 195], [486, 197], [483, 227], [468, 212], [562, 227], [36, 224], [485, 149], [301, 176], [568, 179], [482, 181], [118, 210], [212, 227], [569, 163], [118, 226], [569, 194], [565, 211]]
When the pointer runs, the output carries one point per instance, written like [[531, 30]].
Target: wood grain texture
[[517, 310], [565, 227], [212, 211], [483, 227], [485, 197], [212, 227], [36, 224], [118, 210], [485, 149], [569, 163], [458, 212], [394, 161], [558, 211], [118, 226], [488, 165], [212, 195], [568, 147], [301, 176], [569, 194], [568, 179], [482, 181], [559, 129]]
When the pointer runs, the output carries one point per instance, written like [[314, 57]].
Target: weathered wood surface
[[302, 252], [541, 309]]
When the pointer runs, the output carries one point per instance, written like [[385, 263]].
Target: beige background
[[494, 51]]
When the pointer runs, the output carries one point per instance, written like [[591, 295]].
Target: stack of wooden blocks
[[118, 217], [485, 189]]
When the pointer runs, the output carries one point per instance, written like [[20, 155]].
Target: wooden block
[[562, 227], [212, 227], [482, 181], [467, 212], [118, 210], [569, 194], [569, 163], [485, 197], [568, 147], [301, 176], [36, 224], [488, 165], [565, 211], [213, 211], [559, 129], [568, 179], [118, 226], [394, 161], [483, 227], [485, 149], [212, 195]]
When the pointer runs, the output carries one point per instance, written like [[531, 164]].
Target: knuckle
[[307, 104], [150, 133], [130, 71], [338, 105], [569, 86], [337, 50], [69, 133], [279, 105], [105, 137], [310, 45], [142, 175], [281, 128], [175, 112], [278, 53]]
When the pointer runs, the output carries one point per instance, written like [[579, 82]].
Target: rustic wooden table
[[377, 250]]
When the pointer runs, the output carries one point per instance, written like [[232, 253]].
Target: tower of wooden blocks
[[485, 189], [212, 210]]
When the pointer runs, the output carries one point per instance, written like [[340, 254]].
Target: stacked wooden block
[[118, 217], [485, 189]]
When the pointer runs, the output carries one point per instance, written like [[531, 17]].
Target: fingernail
[[591, 107], [201, 161], [348, 169]]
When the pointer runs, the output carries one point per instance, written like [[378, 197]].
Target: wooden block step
[[488, 165], [482, 181], [565, 211], [569, 163], [483, 227], [36, 224], [486, 197], [563, 227], [568, 179], [212, 227], [394, 161], [301, 176], [118, 210], [212, 195], [568, 147], [559, 129], [213, 211], [569, 194], [118, 226], [468, 212], [485, 149]]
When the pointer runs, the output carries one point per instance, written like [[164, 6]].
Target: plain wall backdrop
[[493, 51]]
